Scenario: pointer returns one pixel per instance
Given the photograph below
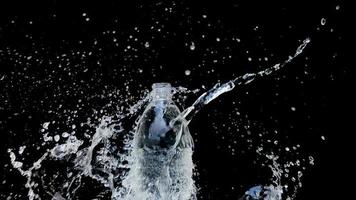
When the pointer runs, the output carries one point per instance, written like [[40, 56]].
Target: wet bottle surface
[[159, 128], [163, 150]]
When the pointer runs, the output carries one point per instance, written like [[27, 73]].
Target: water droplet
[[204, 16], [337, 7], [65, 134], [306, 41], [323, 137], [56, 138], [237, 39], [22, 148], [187, 72], [311, 160], [293, 108], [45, 125], [218, 39], [84, 14], [192, 46], [323, 21]]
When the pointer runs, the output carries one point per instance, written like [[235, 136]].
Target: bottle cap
[[162, 91]]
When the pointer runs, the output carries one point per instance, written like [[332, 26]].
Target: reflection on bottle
[[159, 128]]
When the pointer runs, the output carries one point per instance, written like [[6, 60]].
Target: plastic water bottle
[[163, 166]]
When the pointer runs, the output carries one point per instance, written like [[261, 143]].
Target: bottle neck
[[160, 97]]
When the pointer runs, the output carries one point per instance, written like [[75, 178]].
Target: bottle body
[[163, 147]]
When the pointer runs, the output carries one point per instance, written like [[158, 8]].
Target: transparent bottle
[[162, 165], [160, 127]]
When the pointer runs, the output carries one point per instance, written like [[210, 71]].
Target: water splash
[[119, 169], [161, 165], [27, 173]]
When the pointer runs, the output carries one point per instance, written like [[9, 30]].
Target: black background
[[324, 101]]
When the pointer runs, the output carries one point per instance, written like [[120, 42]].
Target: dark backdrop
[[318, 84]]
